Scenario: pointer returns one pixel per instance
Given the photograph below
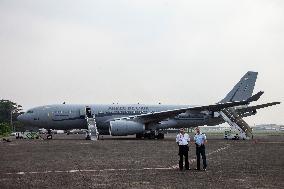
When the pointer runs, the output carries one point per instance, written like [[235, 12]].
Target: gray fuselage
[[67, 117]]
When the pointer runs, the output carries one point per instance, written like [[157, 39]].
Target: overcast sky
[[129, 51]]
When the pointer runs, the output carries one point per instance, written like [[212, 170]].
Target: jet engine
[[124, 127]]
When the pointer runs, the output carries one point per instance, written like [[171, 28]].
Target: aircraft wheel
[[152, 136], [160, 136], [139, 136], [49, 137]]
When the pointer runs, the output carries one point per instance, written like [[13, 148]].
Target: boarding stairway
[[92, 133], [236, 121]]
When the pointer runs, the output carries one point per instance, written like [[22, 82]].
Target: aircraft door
[[86, 112], [36, 116]]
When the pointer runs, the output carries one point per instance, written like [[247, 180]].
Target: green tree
[[9, 111], [5, 129]]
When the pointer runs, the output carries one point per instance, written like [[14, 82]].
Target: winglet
[[255, 97]]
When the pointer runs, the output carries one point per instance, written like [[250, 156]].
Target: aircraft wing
[[162, 115]]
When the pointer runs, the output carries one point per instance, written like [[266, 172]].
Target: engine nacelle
[[125, 127]]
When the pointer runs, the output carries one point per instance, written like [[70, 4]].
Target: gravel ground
[[72, 162]]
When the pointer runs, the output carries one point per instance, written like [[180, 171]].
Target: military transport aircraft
[[149, 121]]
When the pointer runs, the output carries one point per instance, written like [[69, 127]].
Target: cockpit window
[[30, 112]]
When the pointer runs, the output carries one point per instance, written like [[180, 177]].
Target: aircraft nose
[[21, 118]]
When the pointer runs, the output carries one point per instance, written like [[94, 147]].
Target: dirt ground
[[72, 162]]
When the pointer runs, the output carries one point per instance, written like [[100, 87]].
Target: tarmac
[[126, 162]]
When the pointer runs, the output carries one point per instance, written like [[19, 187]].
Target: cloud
[[176, 52]]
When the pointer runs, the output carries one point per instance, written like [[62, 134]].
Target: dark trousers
[[201, 150], [183, 151]]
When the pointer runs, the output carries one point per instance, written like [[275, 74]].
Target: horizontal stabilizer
[[255, 97]]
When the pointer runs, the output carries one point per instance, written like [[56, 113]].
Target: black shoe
[[197, 169], [204, 169]]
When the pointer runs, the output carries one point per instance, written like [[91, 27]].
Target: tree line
[[9, 111]]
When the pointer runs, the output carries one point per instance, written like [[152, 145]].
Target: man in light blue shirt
[[200, 140]]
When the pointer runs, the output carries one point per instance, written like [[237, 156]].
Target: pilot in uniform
[[182, 140], [200, 140]]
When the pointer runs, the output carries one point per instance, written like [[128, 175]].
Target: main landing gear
[[49, 134], [150, 135]]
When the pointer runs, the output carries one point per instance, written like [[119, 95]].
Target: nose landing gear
[[49, 134], [151, 135]]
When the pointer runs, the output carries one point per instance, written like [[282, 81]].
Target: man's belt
[[197, 145]]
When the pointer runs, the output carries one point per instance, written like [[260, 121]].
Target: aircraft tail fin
[[243, 89]]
